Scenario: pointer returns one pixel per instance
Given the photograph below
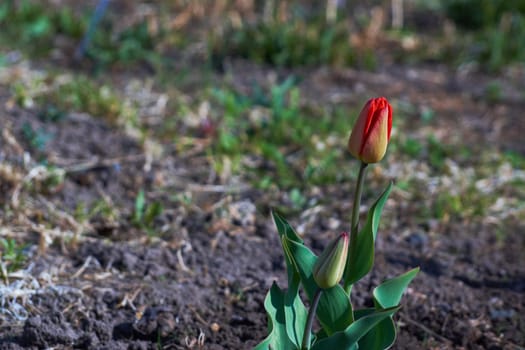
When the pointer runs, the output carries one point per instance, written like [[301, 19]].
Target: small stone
[[417, 240], [243, 213], [502, 314], [215, 327], [334, 224]]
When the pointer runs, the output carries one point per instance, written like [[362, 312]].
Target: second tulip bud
[[329, 267]]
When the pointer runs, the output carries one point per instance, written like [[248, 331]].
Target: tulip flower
[[329, 267], [371, 133]]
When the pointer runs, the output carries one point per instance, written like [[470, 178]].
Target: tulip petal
[[374, 147], [376, 108], [390, 112], [370, 107], [358, 131]]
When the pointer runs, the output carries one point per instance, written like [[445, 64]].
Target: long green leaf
[[295, 316], [361, 256], [286, 231], [278, 337], [294, 309], [349, 338]]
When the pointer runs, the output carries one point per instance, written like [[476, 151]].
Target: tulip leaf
[[278, 337], [294, 309], [295, 314], [386, 295], [335, 310], [349, 338], [286, 231], [381, 337], [389, 293], [284, 228], [361, 255]]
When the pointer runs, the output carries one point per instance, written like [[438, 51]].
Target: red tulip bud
[[371, 132], [329, 267]]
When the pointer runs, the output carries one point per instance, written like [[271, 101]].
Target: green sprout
[[37, 138], [12, 255], [144, 214]]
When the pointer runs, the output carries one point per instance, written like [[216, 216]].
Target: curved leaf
[[284, 228], [361, 256], [389, 293], [349, 338], [295, 314], [381, 337], [386, 295], [277, 338]]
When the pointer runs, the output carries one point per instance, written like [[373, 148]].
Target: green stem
[[354, 228], [310, 320], [357, 198]]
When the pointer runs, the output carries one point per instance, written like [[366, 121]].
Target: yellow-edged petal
[[376, 143]]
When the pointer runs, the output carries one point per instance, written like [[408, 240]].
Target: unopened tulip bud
[[371, 133], [329, 268]]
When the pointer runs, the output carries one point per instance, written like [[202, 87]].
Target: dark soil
[[203, 282]]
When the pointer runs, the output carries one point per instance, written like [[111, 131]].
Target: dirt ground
[[202, 284]]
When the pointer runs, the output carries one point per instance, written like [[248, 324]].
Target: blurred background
[[174, 124]]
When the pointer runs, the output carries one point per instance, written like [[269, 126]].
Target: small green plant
[[348, 258], [145, 214], [84, 95], [50, 113], [427, 114], [274, 125], [134, 44], [447, 205], [12, 254], [101, 208], [37, 139], [412, 147], [297, 198], [517, 160], [33, 26], [296, 42], [493, 92], [437, 153], [45, 178], [492, 28], [280, 125]]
